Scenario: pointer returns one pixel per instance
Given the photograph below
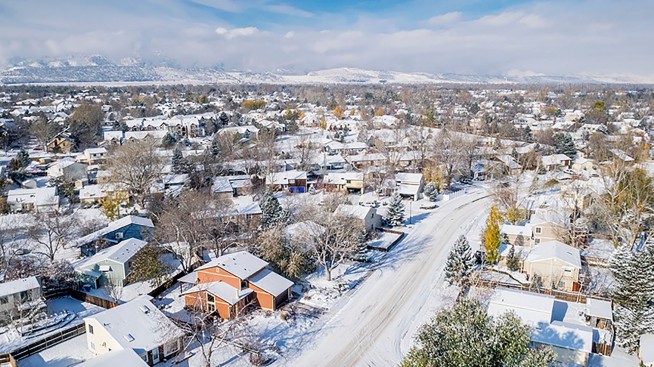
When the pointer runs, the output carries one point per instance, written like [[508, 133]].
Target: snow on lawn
[[171, 303], [323, 293], [68, 353]]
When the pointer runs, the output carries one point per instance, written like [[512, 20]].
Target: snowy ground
[[68, 353], [375, 323]]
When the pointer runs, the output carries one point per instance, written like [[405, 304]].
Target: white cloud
[[236, 32]]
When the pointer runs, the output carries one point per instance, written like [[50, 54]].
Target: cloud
[[236, 32], [446, 18], [549, 37]]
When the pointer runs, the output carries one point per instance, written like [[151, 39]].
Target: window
[[209, 298], [567, 272], [24, 296], [212, 307], [4, 300], [537, 240], [561, 285], [119, 235], [539, 230], [90, 329]]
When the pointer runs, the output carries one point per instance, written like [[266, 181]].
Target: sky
[[507, 37]]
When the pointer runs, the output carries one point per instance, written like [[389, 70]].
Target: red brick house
[[228, 284]]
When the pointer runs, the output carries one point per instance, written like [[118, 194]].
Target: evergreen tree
[[168, 141], [564, 144], [23, 158], [428, 190], [272, 213], [395, 211], [527, 134], [460, 263], [181, 164], [492, 235], [512, 261], [223, 118]]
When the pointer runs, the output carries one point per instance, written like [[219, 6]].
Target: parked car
[[428, 205]]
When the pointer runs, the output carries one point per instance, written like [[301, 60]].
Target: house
[[61, 143], [120, 357], [95, 155], [409, 184], [232, 282], [121, 229], [546, 226], [509, 164], [344, 181], [518, 234], [137, 325], [556, 264], [19, 296], [111, 265], [68, 170], [571, 343], [293, 181], [555, 162], [40, 200], [561, 325], [370, 220]]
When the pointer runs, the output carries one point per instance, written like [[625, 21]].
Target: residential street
[[375, 325]]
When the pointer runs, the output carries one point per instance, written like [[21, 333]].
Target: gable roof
[[356, 211], [533, 309], [137, 324], [221, 290], [565, 335], [270, 282], [18, 285], [115, 225], [555, 250], [120, 253], [242, 264]]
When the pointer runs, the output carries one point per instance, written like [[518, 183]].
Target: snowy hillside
[[98, 69]]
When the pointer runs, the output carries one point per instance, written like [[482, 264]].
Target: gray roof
[[271, 282], [18, 285], [242, 264]]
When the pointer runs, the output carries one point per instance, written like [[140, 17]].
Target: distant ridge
[[97, 69]]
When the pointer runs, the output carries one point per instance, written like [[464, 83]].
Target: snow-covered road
[[375, 324]]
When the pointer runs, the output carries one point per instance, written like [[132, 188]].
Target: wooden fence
[[79, 295], [7, 359], [564, 296], [53, 339]]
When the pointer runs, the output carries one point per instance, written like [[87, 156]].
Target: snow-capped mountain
[[97, 69]]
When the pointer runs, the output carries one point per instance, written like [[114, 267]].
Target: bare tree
[[113, 290], [43, 131], [335, 239], [52, 232], [136, 165]]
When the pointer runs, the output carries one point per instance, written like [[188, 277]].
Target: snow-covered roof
[[221, 184], [356, 211], [565, 335], [599, 308], [516, 230], [270, 282], [531, 308], [408, 178], [303, 228], [18, 285], [282, 178], [221, 290], [90, 151], [555, 250], [340, 178], [120, 253], [115, 225], [554, 159], [38, 196], [122, 357], [138, 325], [242, 264]]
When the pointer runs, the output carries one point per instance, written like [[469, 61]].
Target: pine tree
[[634, 294], [395, 211], [565, 145], [429, 190], [168, 141], [460, 263], [23, 158], [223, 118], [492, 236], [181, 164], [272, 213], [512, 261]]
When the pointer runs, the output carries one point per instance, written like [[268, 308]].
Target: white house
[[95, 155], [368, 216], [18, 296], [42, 199], [137, 325], [409, 184], [68, 169], [555, 263]]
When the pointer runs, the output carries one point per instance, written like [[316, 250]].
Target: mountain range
[[97, 69]]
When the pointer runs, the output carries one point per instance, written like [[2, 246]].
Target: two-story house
[[230, 283], [121, 229], [18, 297], [110, 265]]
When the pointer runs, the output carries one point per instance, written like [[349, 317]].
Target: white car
[[428, 206]]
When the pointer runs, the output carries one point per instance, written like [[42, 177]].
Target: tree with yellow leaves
[[338, 112], [323, 123], [111, 205], [352, 112], [491, 236], [379, 112]]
